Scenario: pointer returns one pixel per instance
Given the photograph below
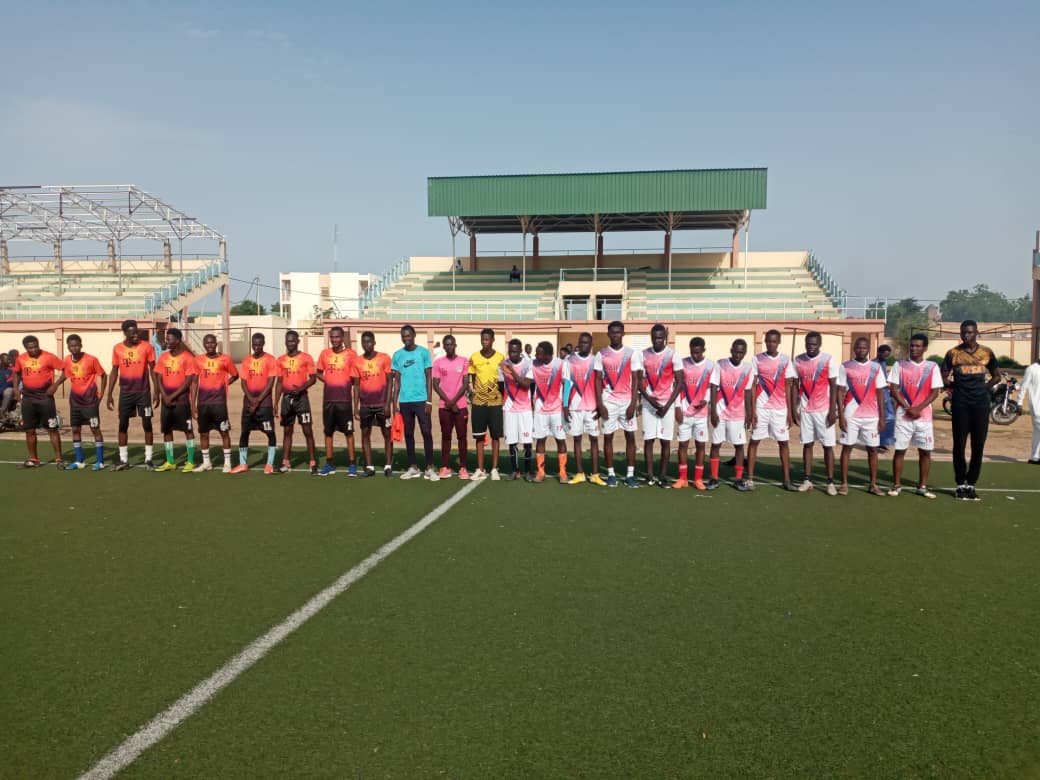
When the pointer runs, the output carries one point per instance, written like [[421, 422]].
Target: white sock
[[124, 454], [148, 452], [610, 472], [227, 456], [632, 471], [205, 457]]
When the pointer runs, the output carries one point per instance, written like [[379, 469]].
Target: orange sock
[[563, 464], [698, 473], [714, 467], [540, 460], [683, 471]]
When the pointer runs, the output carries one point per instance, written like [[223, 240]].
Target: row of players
[[512, 396]]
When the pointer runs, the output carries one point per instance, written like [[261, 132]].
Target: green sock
[[169, 451], [191, 450]]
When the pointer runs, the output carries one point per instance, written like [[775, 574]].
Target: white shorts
[[695, 428], [732, 431], [914, 433], [772, 424], [861, 430], [655, 427], [584, 422], [517, 427], [814, 428], [616, 418], [549, 424]]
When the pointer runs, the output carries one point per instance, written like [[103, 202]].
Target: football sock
[[243, 456], [610, 472], [563, 463], [514, 455], [99, 451], [683, 471], [148, 452], [77, 447], [191, 451], [124, 453], [205, 456], [527, 457], [740, 472], [168, 445], [698, 473], [714, 463], [227, 456], [540, 460], [631, 472], [271, 453]]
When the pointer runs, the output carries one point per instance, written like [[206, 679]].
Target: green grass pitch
[[532, 631]]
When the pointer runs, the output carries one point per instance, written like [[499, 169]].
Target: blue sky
[[901, 138]]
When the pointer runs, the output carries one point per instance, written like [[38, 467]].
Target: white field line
[[167, 720]]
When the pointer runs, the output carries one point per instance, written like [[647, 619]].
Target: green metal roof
[[635, 200]]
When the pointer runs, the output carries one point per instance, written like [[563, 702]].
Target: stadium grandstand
[[725, 288], [107, 285]]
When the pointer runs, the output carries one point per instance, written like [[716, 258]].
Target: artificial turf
[[535, 630]]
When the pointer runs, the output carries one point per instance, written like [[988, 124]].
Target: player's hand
[[714, 419], [195, 414], [108, 402], [796, 419], [880, 426], [754, 420], [678, 414], [155, 402], [830, 418], [842, 424], [790, 420], [601, 410], [913, 412], [630, 412], [18, 397], [661, 411], [699, 405], [566, 415]]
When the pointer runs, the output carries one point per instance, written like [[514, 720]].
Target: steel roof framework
[[95, 212]]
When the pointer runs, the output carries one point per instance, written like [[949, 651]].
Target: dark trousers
[[457, 421], [969, 421], [410, 412]]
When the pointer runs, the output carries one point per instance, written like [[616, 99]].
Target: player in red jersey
[[175, 370], [259, 372], [216, 371], [296, 375], [132, 362], [34, 386], [337, 371], [83, 372]]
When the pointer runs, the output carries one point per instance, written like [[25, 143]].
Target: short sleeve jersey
[[174, 371], [256, 372], [518, 398], [373, 375], [915, 381], [814, 375], [970, 372], [732, 381], [771, 387], [295, 370], [411, 365], [483, 373], [133, 365], [548, 385], [696, 385], [617, 367], [659, 372], [37, 372], [83, 375], [214, 373], [861, 382], [581, 373], [338, 369], [450, 374]]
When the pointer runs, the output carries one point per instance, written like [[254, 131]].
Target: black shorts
[[40, 413], [260, 420], [214, 417], [373, 415], [176, 418], [486, 420], [295, 410], [84, 415], [337, 416], [134, 405]]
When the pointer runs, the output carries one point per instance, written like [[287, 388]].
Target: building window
[[608, 307], [576, 307]]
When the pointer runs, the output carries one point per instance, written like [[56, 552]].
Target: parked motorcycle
[[1003, 409]]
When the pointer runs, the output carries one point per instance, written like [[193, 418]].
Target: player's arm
[[156, 382], [440, 393], [311, 381], [59, 380], [463, 391], [832, 410], [355, 384], [713, 396], [104, 384], [111, 387], [637, 380], [320, 374], [994, 371], [429, 382], [749, 404], [881, 409], [17, 377], [193, 393], [394, 391], [677, 383], [946, 370], [276, 389], [597, 383]]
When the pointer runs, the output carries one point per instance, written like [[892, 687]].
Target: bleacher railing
[[383, 283], [764, 308], [598, 274], [464, 310], [169, 293], [819, 273]]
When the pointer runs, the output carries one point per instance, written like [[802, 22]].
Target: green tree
[[985, 305], [902, 319], [248, 307]]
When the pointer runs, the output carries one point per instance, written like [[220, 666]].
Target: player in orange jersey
[[132, 362], [83, 371], [372, 393], [259, 373], [295, 377], [337, 370], [215, 371], [176, 372], [34, 385]]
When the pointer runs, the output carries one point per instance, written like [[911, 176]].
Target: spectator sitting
[[458, 265], [6, 385], [514, 275]]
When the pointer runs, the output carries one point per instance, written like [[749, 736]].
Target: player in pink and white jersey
[[732, 406], [662, 381], [579, 410], [516, 406], [861, 411], [692, 412], [547, 373], [914, 384], [816, 374], [618, 372], [772, 415]]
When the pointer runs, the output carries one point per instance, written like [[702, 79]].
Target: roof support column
[[735, 251], [525, 224], [534, 252], [1034, 347], [225, 296], [112, 255], [747, 240], [5, 259], [668, 225], [167, 256], [473, 251]]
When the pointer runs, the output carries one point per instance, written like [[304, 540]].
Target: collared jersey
[[771, 387], [696, 385], [450, 374], [295, 370], [617, 367], [732, 381], [173, 371], [214, 373], [256, 372], [133, 365], [373, 377], [915, 381], [484, 380], [518, 399], [83, 375], [659, 371], [548, 385], [37, 372], [861, 382], [338, 369], [814, 377], [581, 373]]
